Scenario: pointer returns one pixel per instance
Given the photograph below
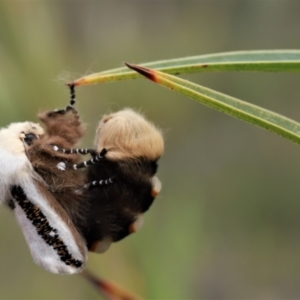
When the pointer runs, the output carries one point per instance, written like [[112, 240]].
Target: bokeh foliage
[[226, 224]]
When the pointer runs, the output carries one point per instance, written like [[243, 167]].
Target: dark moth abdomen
[[112, 208]]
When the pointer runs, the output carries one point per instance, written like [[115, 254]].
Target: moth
[[66, 207]]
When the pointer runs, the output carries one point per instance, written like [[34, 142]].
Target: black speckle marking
[[43, 228]]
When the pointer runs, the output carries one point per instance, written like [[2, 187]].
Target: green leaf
[[263, 60], [235, 107]]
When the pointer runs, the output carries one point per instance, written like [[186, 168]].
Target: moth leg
[[97, 157], [137, 224], [61, 166], [64, 124], [82, 151], [70, 106], [101, 246], [156, 186], [97, 183]]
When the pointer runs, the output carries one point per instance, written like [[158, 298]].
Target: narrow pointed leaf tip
[[150, 74], [242, 110]]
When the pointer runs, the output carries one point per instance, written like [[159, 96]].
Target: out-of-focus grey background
[[226, 225]]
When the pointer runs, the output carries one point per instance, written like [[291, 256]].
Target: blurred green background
[[226, 225]]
